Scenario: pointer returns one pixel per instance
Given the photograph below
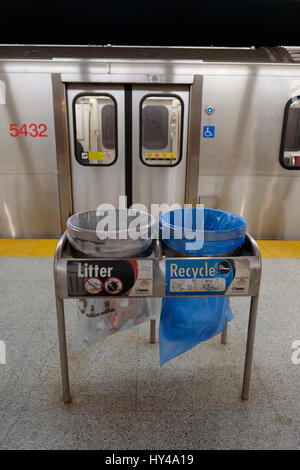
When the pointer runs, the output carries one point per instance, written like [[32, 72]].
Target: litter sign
[[110, 278], [208, 132]]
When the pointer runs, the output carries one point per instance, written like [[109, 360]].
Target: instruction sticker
[[160, 156], [198, 276], [95, 155], [110, 278], [240, 283]]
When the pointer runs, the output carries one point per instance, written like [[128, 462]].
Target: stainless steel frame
[[193, 149], [152, 331], [62, 326], [62, 149], [250, 252]]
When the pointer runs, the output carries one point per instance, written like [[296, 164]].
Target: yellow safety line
[[46, 247], [279, 248], [27, 247]]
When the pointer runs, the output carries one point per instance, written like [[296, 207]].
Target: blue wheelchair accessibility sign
[[208, 132]]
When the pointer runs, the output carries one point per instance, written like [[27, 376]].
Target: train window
[[161, 121], [95, 129], [108, 127], [290, 140], [155, 127]]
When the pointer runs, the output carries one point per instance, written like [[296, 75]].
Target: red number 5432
[[34, 130]]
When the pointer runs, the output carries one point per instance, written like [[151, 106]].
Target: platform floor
[[122, 399]]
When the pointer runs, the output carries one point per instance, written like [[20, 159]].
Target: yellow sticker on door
[[160, 155], [96, 155]]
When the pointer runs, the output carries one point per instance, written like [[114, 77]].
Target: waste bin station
[[143, 140], [163, 278]]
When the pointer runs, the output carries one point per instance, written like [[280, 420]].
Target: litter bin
[[185, 322], [112, 235]]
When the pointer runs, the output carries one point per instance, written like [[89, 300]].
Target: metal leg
[[249, 347], [63, 349], [152, 330], [224, 334]]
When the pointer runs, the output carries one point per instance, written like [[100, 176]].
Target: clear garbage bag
[[98, 318]]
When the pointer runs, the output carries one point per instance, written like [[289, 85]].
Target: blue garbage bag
[[186, 322]]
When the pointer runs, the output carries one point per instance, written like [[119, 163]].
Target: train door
[[97, 144], [127, 140], [160, 121]]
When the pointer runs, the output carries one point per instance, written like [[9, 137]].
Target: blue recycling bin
[[185, 322], [220, 231]]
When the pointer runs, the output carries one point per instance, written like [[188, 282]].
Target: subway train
[[80, 126]]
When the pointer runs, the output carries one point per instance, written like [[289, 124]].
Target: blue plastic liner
[[186, 322], [218, 231]]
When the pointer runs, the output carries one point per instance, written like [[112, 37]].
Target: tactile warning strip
[[27, 247], [279, 248], [46, 247]]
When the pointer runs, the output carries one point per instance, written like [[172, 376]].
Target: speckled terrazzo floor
[[122, 399]]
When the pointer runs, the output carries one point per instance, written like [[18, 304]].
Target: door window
[[95, 122], [161, 119], [290, 141]]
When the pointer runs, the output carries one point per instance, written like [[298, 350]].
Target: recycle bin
[[90, 236], [185, 322], [221, 232]]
